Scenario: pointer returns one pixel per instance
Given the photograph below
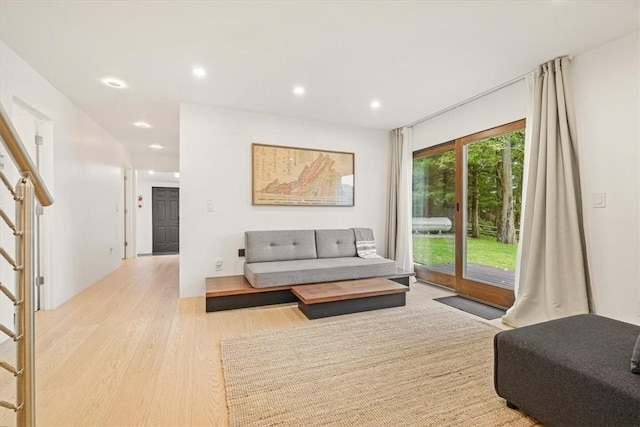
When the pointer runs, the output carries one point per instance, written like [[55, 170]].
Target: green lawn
[[485, 250]]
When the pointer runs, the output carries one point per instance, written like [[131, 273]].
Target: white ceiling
[[414, 57]]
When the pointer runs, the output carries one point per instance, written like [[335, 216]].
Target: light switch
[[210, 206], [599, 200]]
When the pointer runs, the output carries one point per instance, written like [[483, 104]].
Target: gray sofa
[[295, 257], [573, 371]]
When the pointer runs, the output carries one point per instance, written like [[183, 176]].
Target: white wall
[[215, 164], [606, 97], [144, 230], [606, 84], [156, 162], [86, 183], [500, 107]]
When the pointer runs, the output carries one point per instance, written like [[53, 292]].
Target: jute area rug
[[395, 367]]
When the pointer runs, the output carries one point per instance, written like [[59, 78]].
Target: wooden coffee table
[[349, 296]]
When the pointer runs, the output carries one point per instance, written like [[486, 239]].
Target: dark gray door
[[165, 219]]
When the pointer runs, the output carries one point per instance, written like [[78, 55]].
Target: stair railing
[[29, 185]]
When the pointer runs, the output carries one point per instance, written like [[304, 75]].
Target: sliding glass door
[[434, 215], [466, 210]]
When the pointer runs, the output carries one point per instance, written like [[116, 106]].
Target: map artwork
[[301, 177]]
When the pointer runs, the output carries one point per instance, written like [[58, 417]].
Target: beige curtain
[[553, 279], [399, 241]]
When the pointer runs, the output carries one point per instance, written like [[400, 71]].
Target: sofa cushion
[[279, 245], [335, 243], [280, 273]]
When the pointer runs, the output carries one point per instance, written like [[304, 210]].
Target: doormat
[[476, 308]]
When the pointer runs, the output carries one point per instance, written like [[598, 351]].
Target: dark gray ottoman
[[570, 372]]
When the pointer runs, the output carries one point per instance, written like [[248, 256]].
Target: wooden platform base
[[231, 292], [349, 296], [231, 302]]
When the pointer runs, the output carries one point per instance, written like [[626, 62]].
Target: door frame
[[491, 294], [126, 213], [422, 271]]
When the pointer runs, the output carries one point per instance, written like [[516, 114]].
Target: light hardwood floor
[[127, 351]]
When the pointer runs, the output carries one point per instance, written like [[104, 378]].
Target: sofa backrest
[[335, 243], [279, 245]]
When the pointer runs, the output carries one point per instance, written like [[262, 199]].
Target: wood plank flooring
[[128, 352]]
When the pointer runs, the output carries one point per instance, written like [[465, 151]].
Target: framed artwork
[[292, 176]]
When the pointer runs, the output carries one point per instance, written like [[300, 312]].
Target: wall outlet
[[218, 264], [240, 252]]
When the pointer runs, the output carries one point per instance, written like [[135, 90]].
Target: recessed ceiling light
[[176, 174], [375, 105], [142, 125], [156, 146], [199, 72], [115, 83], [151, 172], [298, 90]]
